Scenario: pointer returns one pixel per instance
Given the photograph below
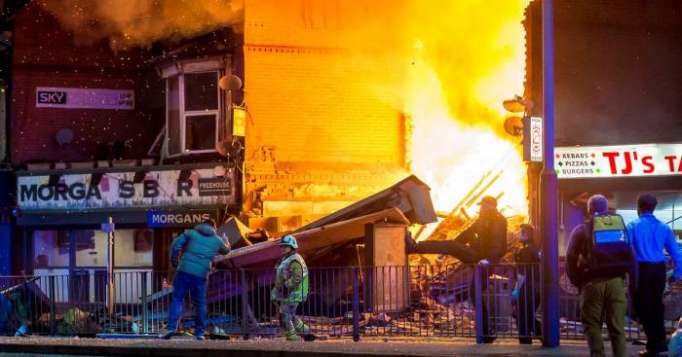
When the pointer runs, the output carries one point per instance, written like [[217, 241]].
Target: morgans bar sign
[[153, 189]]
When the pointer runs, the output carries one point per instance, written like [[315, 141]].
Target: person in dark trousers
[[649, 236], [526, 293], [602, 293], [198, 247], [483, 243]]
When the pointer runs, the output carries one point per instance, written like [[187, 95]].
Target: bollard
[[478, 302], [356, 306]]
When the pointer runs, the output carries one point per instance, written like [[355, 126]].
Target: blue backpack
[[609, 252]]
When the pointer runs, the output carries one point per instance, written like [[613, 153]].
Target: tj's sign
[[619, 161], [122, 190]]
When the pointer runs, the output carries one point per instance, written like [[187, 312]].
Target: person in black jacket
[[483, 243], [526, 293]]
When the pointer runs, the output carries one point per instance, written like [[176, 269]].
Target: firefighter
[[291, 288]]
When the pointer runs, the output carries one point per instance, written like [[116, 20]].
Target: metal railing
[[344, 302]]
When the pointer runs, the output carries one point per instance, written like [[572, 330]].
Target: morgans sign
[[152, 189]]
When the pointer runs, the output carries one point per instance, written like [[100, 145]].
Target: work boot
[[169, 335], [301, 327], [292, 336]]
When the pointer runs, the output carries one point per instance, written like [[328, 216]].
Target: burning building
[[161, 113]]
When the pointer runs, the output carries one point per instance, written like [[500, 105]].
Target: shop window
[[133, 248], [47, 249], [193, 107], [96, 254]]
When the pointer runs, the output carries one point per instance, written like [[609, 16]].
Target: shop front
[[621, 173], [61, 215]]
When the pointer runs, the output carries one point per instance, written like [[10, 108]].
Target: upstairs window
[[194, 107]]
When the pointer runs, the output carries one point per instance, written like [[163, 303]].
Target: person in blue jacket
[[198, 247], [649, 236]]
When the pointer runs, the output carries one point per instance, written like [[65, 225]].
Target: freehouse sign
[[153, 189]]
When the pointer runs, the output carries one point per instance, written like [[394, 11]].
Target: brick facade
[[314, 131], [46, 56]]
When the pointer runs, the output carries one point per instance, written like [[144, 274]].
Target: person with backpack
[[599, 257], [192, 253], [291, 288], [649, 236]]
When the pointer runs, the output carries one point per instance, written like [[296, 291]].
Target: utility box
[[387, 273]]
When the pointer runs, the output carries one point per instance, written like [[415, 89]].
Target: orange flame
[[468, 56]]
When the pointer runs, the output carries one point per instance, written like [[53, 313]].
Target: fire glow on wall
[[443, 66]]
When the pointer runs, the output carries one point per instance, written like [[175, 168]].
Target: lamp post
[[548, 187]]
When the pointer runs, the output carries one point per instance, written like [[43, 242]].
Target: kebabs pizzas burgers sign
[[618, 161]]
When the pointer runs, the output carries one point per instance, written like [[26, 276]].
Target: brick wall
[[314, 132], [44, 55], [313, 106]]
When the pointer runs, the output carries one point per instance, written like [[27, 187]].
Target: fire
[[466, 58]]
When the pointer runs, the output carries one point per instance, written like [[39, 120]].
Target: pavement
[[184, 347]]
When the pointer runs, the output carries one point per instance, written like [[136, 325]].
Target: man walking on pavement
[[602, 288], [291, 288], [483, 243], [649, 236], [198, 247]]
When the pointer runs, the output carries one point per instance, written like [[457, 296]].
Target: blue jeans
[[197, 288]]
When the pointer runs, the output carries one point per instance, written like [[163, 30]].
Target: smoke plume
[[138, 23]]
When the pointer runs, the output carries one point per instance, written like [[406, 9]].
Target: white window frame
[[178, 70]]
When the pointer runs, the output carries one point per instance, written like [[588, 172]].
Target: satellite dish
[[230, 82], [64, 136]]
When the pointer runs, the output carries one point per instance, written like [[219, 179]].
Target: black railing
[[344, 302]]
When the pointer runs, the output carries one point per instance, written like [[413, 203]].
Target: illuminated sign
[[189, 218], [618, 161], [533, 139], [85, 98]]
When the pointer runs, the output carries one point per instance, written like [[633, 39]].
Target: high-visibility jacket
[[292, 277]]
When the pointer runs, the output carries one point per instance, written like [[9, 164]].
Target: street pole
[[111, 281], [548, 184]]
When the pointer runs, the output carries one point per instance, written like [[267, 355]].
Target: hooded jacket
[[201, 244]]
